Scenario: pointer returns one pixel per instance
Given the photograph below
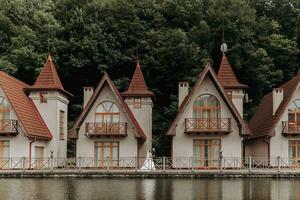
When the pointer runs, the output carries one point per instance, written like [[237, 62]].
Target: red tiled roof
[[138, 85], [209, 71], [227, 77], [73, 133], [48, 78], [263, 121], [28, 116]]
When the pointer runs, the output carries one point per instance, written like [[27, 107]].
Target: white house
[[114, 126], [209, 121], [276, 125], [33, 118]]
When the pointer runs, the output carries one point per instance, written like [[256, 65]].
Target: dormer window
[[137, 102], [43, 98]]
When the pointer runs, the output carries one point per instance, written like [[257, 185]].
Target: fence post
[[164, 163], [191, 163], [24, 163], [250, 163], [79, 163], [135, 163], [278, 163], [51, 161], [221, 161], [107, 163]]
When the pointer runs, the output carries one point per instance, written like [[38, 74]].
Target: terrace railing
[[290, 128], [8, 127], [277, 164], [204, 125], [97, 129]]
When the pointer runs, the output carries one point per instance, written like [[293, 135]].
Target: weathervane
[[223, 45]]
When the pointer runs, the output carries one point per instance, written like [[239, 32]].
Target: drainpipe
[[30, 144], [267, 141]]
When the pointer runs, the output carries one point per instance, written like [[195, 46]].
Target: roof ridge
[[82, 116], [201, 76]]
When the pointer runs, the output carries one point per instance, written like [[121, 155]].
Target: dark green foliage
[[175, 38]]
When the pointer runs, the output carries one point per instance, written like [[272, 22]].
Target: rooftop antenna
[[137, 52], [223, 45]]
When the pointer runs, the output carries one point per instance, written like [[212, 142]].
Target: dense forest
[[174, 38]]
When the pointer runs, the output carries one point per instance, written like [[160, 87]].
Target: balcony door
[[4, 114], [107, 117], [206, 153], [106, 153], [206, 110], [294, 116]]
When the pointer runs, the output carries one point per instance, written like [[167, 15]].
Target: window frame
[[61, 124], [43, 98], [137, 102]]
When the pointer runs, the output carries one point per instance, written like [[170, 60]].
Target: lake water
[[169, 189]]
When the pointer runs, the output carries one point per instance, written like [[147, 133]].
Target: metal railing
[[207, 125], [8, 126], [290, 128], [106, 129], [248, 164]]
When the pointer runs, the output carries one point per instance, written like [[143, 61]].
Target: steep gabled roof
[[28, 116], [208, 71], [227, 77], [138, 85], [139, 133], [263, 121], [48, 78]]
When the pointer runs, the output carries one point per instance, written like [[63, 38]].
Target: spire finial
[[137, 52]]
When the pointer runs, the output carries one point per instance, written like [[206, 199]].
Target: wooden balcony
[[99, 129], [8, 127], [207, 125], [290, 128]]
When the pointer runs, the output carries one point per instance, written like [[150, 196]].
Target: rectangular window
[[206, 152], [106, 153], [294, 152], [61, 125], [137, 102], [43, 98], [39, 160], [4, 154]]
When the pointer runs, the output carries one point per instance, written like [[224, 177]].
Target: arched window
[[4, 108], [294, 114], [107, 112], [206, 107]]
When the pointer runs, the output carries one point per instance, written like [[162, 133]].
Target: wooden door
[[39, 156]]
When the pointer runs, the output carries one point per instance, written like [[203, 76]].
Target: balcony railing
[[98, 129], [290, 128], [8, 127], [207, 125]]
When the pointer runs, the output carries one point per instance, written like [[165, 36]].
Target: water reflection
[[148, 189]]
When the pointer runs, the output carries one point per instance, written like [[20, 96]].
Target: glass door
[[106, 153], [4, 154], [206, 152]]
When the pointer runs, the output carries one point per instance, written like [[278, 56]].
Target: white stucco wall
[[127, 145], [231, 144], [238, 100], [50, 113], [279, 143], [144, 117]]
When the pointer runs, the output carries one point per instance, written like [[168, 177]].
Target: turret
[[139, 100], [51, 100], [235, 90]]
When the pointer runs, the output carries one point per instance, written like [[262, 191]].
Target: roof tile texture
[[263, 121], [227, 77], [28, 115], [138, 85]]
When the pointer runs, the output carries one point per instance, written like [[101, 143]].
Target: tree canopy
[[175, 39]]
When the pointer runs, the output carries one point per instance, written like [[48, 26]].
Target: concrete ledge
[[154, 174]]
